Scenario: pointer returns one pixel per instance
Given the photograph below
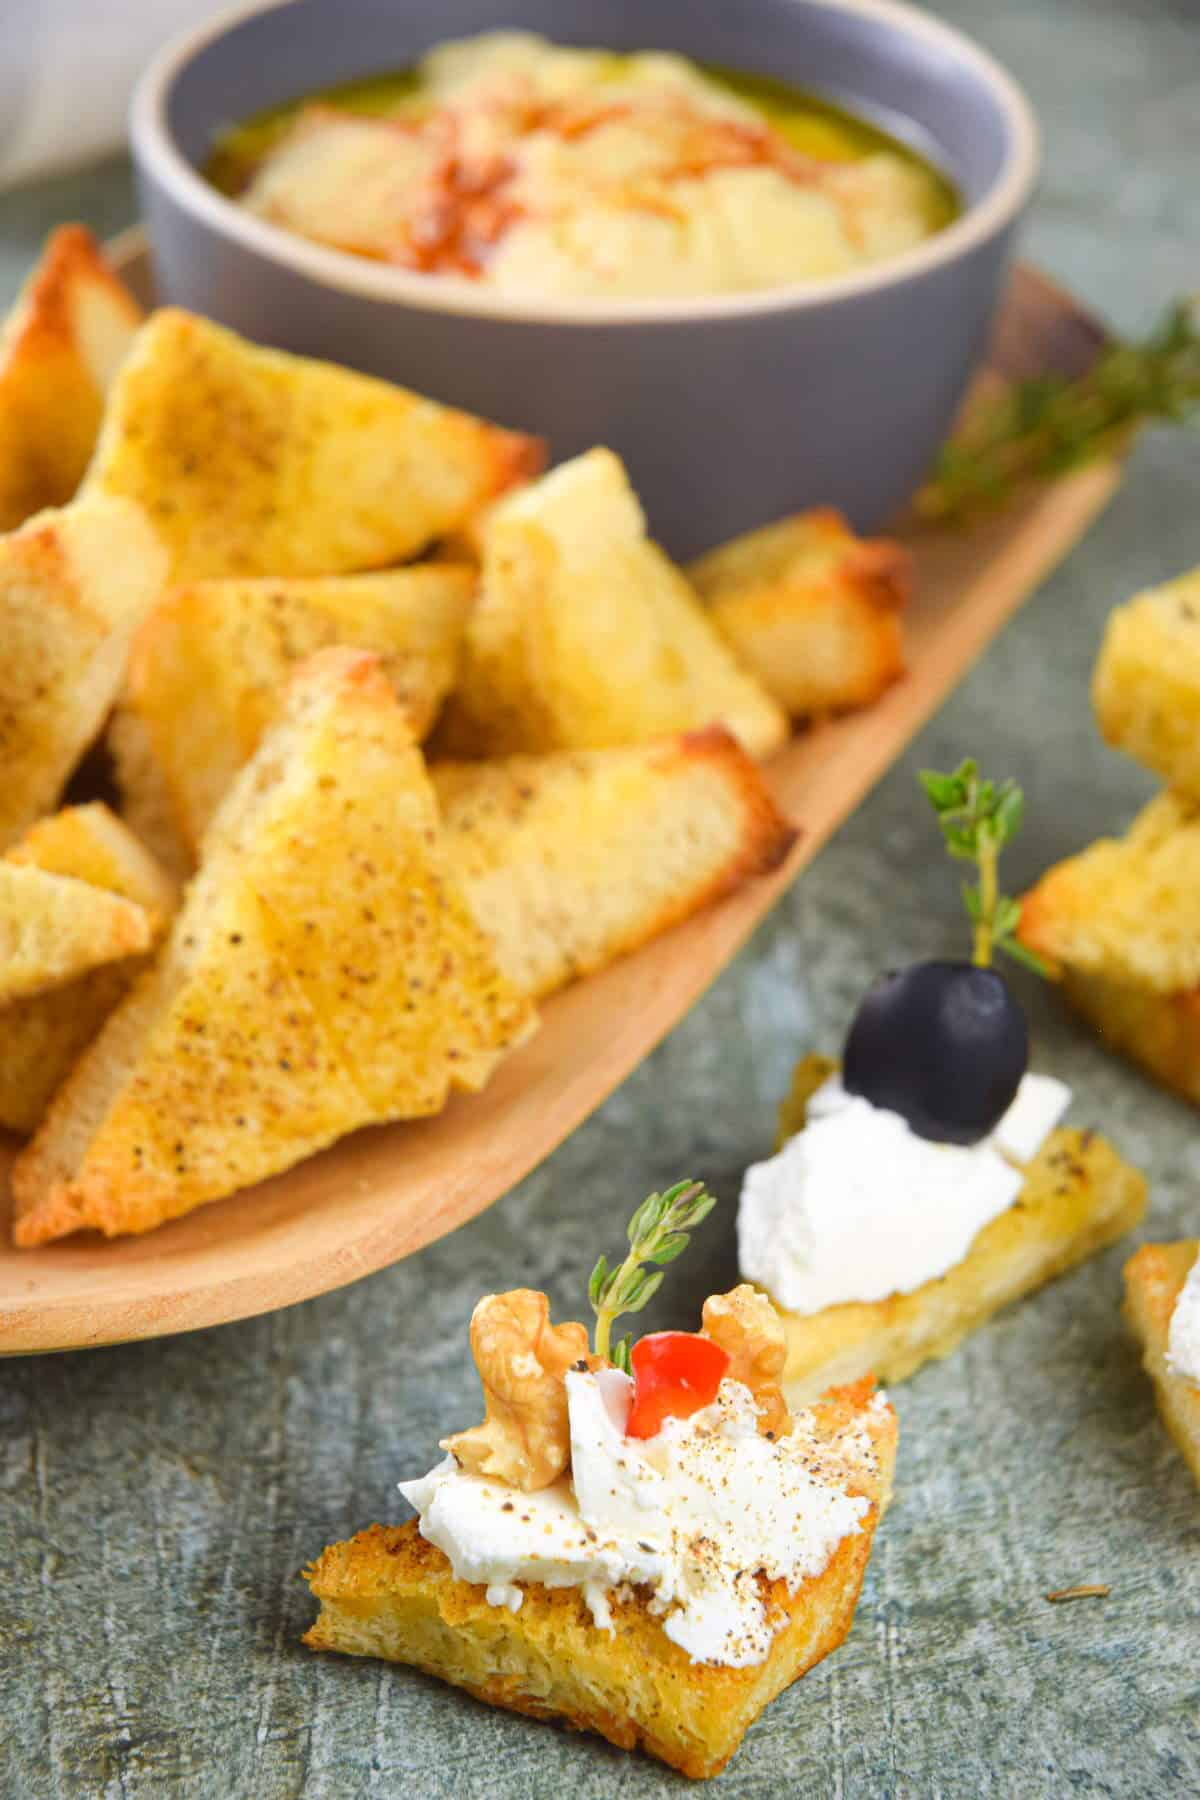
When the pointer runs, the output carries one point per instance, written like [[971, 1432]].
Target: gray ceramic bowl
[[729, 410]]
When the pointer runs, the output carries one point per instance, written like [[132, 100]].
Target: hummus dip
[[544, 171]]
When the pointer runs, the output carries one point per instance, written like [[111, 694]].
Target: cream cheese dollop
[[857, 1206], [697, 1513], [1183, 1336]]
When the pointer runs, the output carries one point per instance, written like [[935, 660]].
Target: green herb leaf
[[1044, 426], [1029, 959], [658, 1232], [978, 817]]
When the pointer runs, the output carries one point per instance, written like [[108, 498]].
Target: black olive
[[944, 1044]]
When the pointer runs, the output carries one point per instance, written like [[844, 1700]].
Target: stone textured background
[[157, 1501]]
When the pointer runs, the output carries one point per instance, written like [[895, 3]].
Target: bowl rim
[[161, 159]]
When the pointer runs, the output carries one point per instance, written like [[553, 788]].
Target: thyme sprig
[[657, 1232], [1044, 426], [978, 818]]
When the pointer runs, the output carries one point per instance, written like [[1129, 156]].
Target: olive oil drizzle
[[816, 127]]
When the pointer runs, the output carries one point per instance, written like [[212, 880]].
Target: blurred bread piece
[[74, 586], [1154, 1278], [208, 669], [41, 1036], [572, 860], [323, 973], [255, 462], [1126, 910], [1146, 685], [391, 1594], [60, 349], [585, 634], [1159, 1032], [811, 609], [1078, 1198]]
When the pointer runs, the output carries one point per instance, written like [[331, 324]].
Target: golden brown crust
[[574, 859], [284, 1010], [811, 609], [1160, 1032], [587, 636], [208, 668], [74, 585], [1078, 1198], [1154, 1278], [1125, 908], [388, 1593], [1146, 685], [254, 462], [58, 350], [42, 1036]]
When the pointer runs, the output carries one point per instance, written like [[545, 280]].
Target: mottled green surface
[[157, 1501]]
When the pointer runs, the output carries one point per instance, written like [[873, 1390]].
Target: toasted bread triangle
[[60, 348], [207, 668], [813, 610], [338, 821], [53, 928], [586, 635], [42, 1035], [74, 585], [323, 974], [91, 844], [256, 462], [572, 860], [213, 1073]]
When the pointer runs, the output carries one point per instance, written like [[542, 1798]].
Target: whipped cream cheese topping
[[1183, 1338], [857, 1206], [700, 1513]]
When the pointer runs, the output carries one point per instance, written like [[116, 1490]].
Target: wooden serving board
[[384, 1193]]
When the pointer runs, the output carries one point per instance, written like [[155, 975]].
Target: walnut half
[[746, 1325], [525, 1438]]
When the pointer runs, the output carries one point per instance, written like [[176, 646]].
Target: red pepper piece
[[675, 1373]]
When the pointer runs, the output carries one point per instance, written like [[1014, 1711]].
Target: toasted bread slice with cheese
[[388, 1593], [586, 635], [1154, 1278], [42, 1035], [255, 462], [1126, 909], [1146, 685], [208, 668], [813, 610], [571, 860], [324, 973], [1160, 1032], [1078, 1198], [74, 586], [60, 349]]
